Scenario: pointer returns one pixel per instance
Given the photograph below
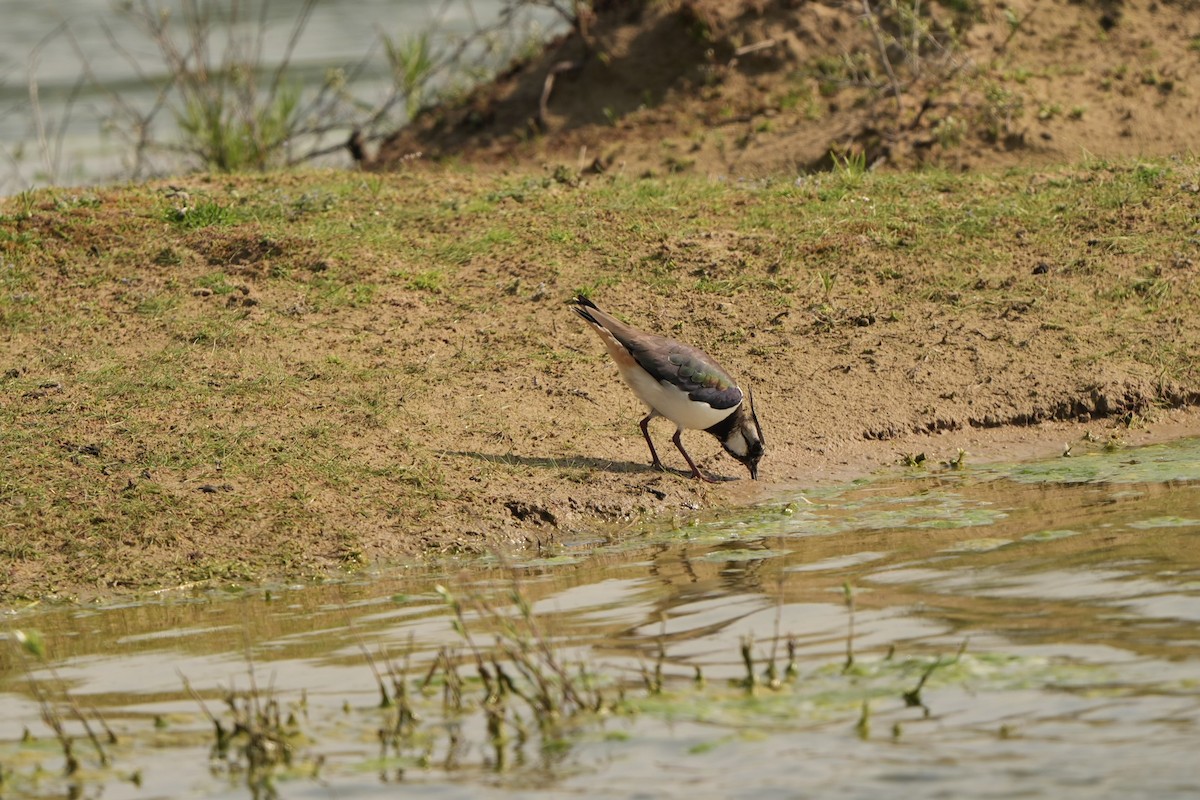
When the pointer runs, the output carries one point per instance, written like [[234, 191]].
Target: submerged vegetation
[[517, 706]]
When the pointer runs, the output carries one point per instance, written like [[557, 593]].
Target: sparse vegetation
[[284, 375]]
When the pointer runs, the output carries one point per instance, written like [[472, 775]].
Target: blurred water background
[[89, 92]]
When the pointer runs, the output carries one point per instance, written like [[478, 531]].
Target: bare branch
[[883, 56]]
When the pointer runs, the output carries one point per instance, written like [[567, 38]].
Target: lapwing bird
[[682, 384]]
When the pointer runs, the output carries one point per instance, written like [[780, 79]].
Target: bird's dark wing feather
[[665, 359], [688, 368]]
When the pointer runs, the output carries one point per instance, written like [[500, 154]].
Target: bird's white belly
[[673, 403]]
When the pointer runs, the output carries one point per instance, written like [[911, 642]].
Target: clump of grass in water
[[912, 698], [653, 679], [848, 594], [551, 689], [29, 644], [524, 693], [522, 679], [257, 738]]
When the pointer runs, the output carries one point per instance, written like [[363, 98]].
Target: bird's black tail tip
[[583, 307]]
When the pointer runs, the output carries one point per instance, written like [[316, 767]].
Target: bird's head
[[744, 440]]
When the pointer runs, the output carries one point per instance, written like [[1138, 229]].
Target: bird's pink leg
[[645, 425], [696, 473]]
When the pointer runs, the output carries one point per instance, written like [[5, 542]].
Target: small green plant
[[230, 128], [233, 113], [30, 644], [848, 597], [791, 99], [167, 257], [747, 651], [850, 167], [1150, 175], [827, 279], [523, 664], [1048, 111], [201, 215], [1020, 75], [950, 131], [259, 738], [430, 280], [155, 304], [412, 65], [862, 728], [1154, 289], [1002, 109], [26, 202], [216, 282]]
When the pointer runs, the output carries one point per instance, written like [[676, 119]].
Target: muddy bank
[[296, 376]]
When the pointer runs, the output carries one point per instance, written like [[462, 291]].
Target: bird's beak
[[754, 472]]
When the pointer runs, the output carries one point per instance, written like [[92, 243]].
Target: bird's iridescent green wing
[[689, 369]]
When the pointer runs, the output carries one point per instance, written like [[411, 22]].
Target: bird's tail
[[583, 308]]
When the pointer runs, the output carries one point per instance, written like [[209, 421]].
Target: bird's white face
[[745, 444], [737, 445]]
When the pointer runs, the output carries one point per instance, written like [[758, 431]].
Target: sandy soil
[[282, 393], [292, 429], [746, 89], [762, 86]]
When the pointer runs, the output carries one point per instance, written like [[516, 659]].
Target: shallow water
[[1054, 606], [82, 55]]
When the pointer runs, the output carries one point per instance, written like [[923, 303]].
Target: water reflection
[[1074, 604]]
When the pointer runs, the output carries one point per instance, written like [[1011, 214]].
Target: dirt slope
[[753, 88]]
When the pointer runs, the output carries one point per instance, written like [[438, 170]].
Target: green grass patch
[[302, 332], [203, 214], [217, 282]]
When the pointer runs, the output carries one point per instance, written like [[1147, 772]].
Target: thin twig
[[1014, 27], [39, 122], [747, 49], [883, 56]]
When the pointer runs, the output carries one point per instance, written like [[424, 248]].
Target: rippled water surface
[[1051, 610]]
